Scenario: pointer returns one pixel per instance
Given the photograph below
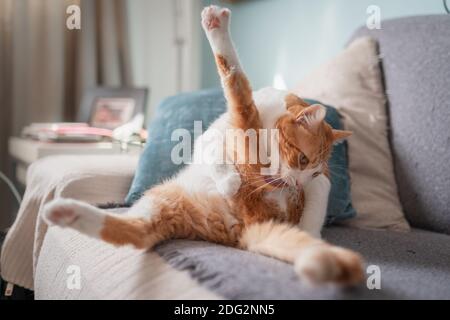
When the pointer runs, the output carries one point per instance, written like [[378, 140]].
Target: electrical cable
[[11, 187]]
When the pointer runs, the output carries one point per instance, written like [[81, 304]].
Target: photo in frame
[[109, 108]]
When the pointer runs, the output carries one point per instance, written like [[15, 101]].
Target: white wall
[[292, 37], [153, 48]]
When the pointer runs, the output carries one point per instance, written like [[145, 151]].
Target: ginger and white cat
[[236, 204]]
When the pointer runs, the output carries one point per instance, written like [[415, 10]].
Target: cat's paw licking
[[229, 185]]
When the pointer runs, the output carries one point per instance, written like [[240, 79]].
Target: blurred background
[[45, 67]]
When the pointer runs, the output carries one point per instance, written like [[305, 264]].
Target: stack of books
[[66, 132]]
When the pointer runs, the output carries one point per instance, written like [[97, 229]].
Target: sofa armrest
[[94, 179]]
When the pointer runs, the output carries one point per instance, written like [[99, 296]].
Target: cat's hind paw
[[61, 212], [68, 213], [330, 264]]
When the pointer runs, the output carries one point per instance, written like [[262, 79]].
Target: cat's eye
[[316, 174], [303, 160]]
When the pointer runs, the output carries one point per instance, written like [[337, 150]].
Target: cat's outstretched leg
[[118, 229], [165, 212], [237, 89], [315, 261]]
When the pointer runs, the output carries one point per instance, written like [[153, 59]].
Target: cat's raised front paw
[[214, 17]]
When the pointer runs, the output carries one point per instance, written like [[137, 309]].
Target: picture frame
[[109, 107]]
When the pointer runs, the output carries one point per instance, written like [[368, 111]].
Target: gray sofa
[[415, 56], [415, 265]]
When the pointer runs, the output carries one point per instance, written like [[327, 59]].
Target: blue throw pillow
[[155, 164]]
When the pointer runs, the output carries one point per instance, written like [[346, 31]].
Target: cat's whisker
[[264, 185], [256, 179]]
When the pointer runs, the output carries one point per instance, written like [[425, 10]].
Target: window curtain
[[45, 67]]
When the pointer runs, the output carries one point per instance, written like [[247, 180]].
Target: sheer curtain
[[44, 66]]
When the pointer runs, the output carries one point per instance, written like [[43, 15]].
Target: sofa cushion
[[413, 265], [107, 272], [182, 110], [415, 55]]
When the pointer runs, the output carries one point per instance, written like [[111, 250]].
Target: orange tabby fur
[[200, 216], [248, 220]]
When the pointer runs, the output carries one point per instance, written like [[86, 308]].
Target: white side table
[[26, 151]]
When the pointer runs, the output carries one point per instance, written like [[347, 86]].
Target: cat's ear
[[294, 103], [312, 116], [340, 135]]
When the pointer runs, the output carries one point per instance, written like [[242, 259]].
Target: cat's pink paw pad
[[214, 17], [60, 212]]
